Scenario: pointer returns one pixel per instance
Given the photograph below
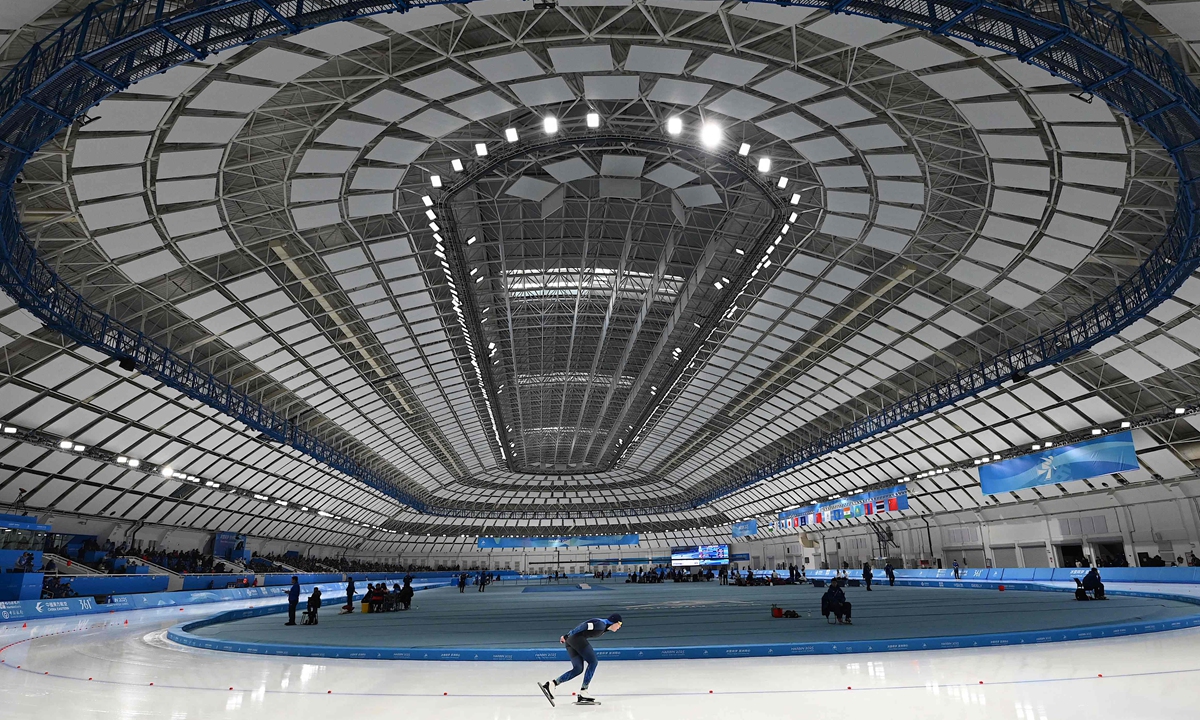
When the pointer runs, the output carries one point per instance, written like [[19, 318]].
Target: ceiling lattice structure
[[367, 227]]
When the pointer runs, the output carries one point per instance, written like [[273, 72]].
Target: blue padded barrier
[[91, 585], [305, 578], [21, 610], [215, 581], [182, 634]]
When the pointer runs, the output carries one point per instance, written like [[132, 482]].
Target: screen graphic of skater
[[579, 650]]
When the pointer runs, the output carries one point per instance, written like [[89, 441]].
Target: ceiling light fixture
[[744, 150], [710, 135], [456, 165], [764, 164], [427, 201], [550, 124], [593, 120], [783, 181], [435, 180], [481, 149], [674, 125], [510, 135]]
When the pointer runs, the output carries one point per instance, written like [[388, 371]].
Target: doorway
[[1034, 556], [1005, 557], [1070, 556], [1110, 554]]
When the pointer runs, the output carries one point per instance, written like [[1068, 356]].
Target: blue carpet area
[[695, 614], [583, 587]]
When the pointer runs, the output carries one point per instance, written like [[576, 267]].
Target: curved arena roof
[[349, 279]]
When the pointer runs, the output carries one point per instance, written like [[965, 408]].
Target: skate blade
[[547, 694]]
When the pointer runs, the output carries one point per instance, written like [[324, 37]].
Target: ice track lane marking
[[685, 693]]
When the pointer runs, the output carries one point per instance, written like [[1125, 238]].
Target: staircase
[[63, 566], [174, 579]]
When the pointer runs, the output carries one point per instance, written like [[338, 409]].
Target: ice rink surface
[[693, 614], [99, 667]]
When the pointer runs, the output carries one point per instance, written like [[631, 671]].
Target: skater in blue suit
[[580, 651]]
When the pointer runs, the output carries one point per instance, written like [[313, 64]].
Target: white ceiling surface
[[150, 179]]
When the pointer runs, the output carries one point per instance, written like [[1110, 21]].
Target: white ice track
[[100, 667]]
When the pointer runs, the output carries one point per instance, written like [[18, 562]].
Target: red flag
[[819, 517], [869, 508], [893, 504]]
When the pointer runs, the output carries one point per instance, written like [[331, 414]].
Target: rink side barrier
[[24, 610], [182, 634]]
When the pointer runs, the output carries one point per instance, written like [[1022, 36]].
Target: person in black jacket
[[314, 604], [890, 572], [867, 575], [834, 601], [349, 606], [579, 650], [293, 600], [406, 593], [1091, 582], [462, 583]]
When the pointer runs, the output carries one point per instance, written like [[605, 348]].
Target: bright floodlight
[[550, 124], [710, 135], [764, 164], [511, 134], [435, 180], [744, 150], [675, 125], [481, 149], [456, 164], [593, 120]]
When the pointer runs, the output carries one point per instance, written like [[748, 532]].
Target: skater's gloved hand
[[563, 639]]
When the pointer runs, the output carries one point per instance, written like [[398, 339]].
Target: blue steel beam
[[1082, 41]]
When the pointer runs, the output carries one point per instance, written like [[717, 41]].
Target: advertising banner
[[873, 502], [745, 528], [490, 543], [1101, 456]]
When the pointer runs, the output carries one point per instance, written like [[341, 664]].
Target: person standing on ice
[[579, 650]]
